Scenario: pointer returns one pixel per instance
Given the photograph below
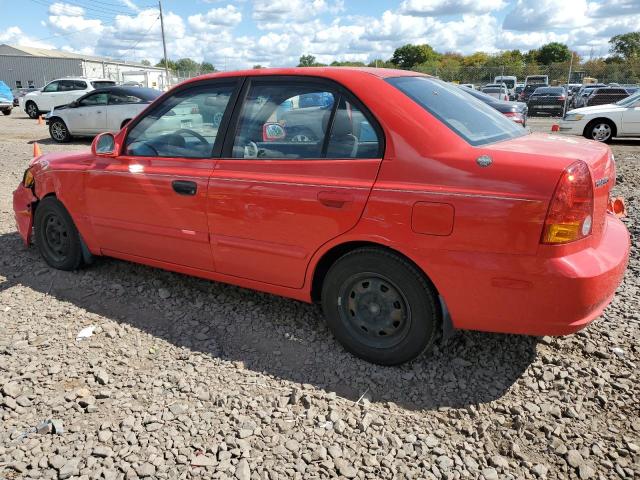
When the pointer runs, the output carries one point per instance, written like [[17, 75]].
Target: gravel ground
[[185, 378]]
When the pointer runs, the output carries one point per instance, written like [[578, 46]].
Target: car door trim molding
[[454, 194]]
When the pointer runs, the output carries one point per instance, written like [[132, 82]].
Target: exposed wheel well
[[614, 127], [338, 251]]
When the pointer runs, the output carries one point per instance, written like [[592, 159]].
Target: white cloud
[[15, 36], [546, 14], [215, 18], [449, 7], [66, 9]]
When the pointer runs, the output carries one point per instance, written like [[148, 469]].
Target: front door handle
[[184, 187]]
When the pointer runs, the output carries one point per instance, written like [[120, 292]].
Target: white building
[[27, 67]]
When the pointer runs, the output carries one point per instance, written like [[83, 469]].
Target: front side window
[[52, 87], [302, 119], [473, 120], [184, 125], [94, 100]]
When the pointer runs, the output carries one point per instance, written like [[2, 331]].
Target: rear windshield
[[510, 83], [492, 90], [103, 84], [471, 119], [557, 91]]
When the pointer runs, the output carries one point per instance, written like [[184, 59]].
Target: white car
[[499, 91], [103, 110], [59, 92], [603, 122]]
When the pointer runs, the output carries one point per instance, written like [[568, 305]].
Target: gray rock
[[345, 468], [11, 389], [69, 469], [490, 473], [574, 458], [145, 470], [243, 472]]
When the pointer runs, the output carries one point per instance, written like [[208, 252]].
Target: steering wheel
[[251, 150], [200, 138]]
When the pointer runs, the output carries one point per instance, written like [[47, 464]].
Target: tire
[[6, 111], [380, 307], [600, 130], [56, 235], [58, 131], [32, 109]]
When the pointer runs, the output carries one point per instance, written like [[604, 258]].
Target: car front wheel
[[32, 110], [59, 131], [380, 307], [56, 235], [6, 111]]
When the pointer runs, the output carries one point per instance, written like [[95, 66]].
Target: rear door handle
[[184, 187], [334, 199]]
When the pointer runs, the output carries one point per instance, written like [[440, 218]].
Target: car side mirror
[[74, 104], [104, 145]]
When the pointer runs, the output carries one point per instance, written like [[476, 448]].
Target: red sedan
[[397, 201]]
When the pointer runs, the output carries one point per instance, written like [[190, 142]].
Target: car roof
[[326, 72]]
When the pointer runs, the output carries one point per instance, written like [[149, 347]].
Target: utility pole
[[164, 43], [566, 97]]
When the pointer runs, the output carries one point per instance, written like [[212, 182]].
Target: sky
[[243, 33]]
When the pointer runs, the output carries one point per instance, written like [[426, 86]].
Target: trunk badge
[[601, 182]]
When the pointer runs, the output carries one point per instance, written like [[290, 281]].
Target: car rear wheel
[[6, 111], [32, 109], [600, 131], [59, 131], [379, 306], [56, 235]]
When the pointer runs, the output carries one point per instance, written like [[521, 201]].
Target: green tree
[[346, 63], [626, 45], [307, 61], [187, 65], [476, 59], [206, 67], [554, 52], [170, 64], [146, 62], [257, 67], [409, 56]]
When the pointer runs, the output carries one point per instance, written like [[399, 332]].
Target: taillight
[[561, 97], [515, 116], [570, 213]]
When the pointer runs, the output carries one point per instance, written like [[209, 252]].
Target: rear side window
[[102, 84], [122, 98], [301, 119], [474, 121]]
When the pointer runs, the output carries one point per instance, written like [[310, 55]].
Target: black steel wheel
[[380, 307], [32, 109], [56, 235]]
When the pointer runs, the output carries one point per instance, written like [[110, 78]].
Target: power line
[[141, 38]]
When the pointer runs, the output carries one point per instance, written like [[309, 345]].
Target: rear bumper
[[4, 105], [535, 295], [23, 200]]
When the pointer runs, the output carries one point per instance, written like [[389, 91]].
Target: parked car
[[603, 122], [605, 96], [468, 85], [449, 214], [580, 98], [527, 91], [549, 100], [515, 111], [497, 91], [59, 92], [102, 110], [539, 80], [510, 82], [6, 99], [518, 90]]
